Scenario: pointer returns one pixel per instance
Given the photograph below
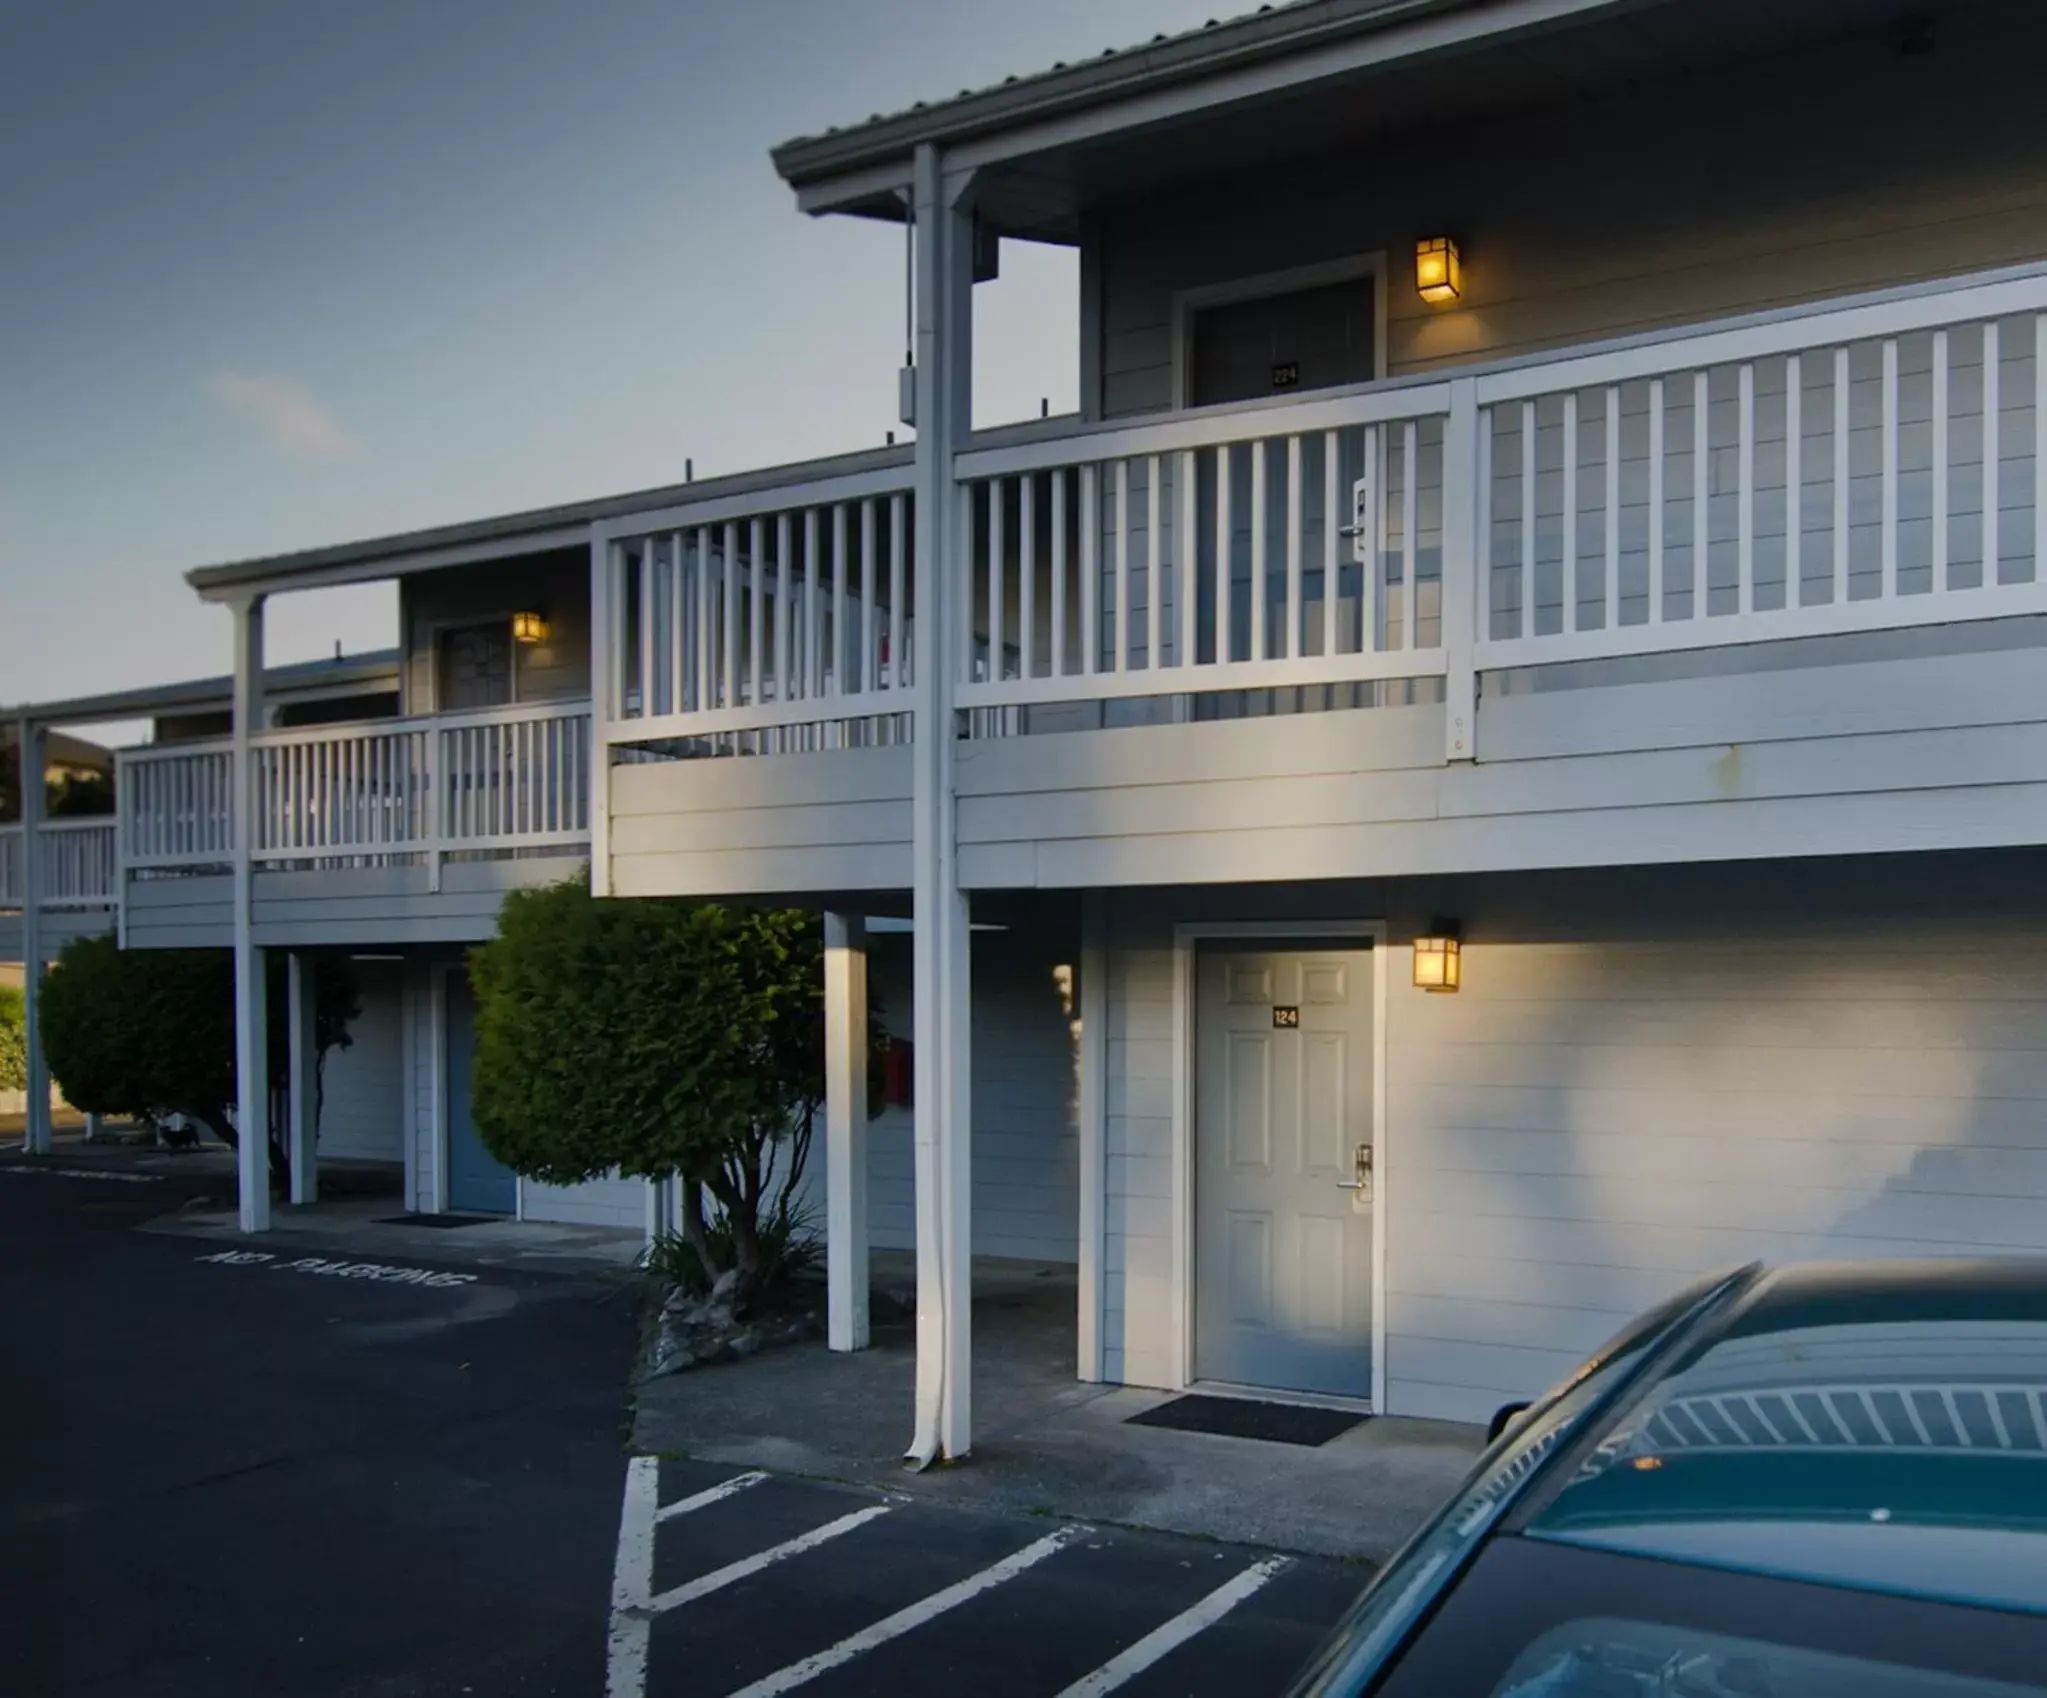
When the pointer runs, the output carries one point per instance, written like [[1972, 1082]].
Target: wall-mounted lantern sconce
[[1438, 958], [529, 627], [1438, 272]]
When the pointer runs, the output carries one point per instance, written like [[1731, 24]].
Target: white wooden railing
[[77, 866], [176, 805], [370, 794], [753, 614], [1858, 466], [1299, 545], [1815, 473]]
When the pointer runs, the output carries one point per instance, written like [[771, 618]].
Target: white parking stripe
[[725, 1489], [632, 1578], [718, 1579], [916, 1615], [1172, 1634]]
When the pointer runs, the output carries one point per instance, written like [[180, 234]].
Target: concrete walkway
[[363, 1229], [1045, 1442]]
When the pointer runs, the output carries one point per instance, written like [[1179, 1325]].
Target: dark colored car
[[1819, 1482]]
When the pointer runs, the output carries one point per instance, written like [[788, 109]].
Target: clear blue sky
[[288, 272]]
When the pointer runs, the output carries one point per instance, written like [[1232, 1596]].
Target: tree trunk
[[695, 1234]]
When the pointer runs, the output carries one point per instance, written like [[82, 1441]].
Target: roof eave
[[812, 162]]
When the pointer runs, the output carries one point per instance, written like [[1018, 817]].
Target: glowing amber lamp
[[1438, 961], [529, 627], [1438, 273]]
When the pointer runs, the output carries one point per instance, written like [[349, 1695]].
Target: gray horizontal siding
[[1026, 1155], [59, 927], [1935, 751], [359, 905], [362, 1110], [762, 825], [1722, 202], [1648, 1074]]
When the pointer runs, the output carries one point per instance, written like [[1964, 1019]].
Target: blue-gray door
[[478, 1183], [1283, 1169]]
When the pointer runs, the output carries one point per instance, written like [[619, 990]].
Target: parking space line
[[632, 1580], [711, 1495], [914, 1616], [718, 1579], [1169, 1636]]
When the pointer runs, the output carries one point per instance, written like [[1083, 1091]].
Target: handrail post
[[1462, 499], [434, 808]]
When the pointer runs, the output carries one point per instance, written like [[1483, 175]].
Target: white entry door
[[1283, 1169]]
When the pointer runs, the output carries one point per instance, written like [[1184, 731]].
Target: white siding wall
[[363, 1111], [1648, 1075], [1026, 1142], [1829, 169], [596, 1202]]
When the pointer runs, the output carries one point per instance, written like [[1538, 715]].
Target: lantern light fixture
[[529, 627], [1438, 958], [1438, 270]]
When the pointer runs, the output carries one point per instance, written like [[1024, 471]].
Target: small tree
[[659, 1039], [150, 1032], [13, 1040]]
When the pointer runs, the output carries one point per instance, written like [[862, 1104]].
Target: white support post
[[944, 1176], [31, 748], [305, 1056], [252, 1035], [845, 1130], [603, 693], [1461, 591], [1094, 1165]]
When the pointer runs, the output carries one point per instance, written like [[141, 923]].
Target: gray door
[[478, 1183], [1283, 1136], [476, 667], [1305, 339]]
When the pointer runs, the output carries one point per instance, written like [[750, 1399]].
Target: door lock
[[1360, 1181]]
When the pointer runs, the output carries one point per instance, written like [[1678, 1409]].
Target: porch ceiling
[[1044, 163]]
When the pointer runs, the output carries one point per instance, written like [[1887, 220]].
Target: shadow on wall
[[1652, 1073]]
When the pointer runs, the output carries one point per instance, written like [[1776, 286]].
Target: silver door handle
[[1361, 1167]]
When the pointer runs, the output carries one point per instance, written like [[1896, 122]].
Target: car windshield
[[1900, 1455], [1606, 1658]]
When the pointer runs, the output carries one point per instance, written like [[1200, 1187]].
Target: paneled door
[[1283, 1177], [478, 1183]]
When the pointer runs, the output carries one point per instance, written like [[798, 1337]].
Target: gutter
[[1271, 34]]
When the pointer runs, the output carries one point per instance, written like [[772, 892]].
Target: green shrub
[[13, 1040], [658, 1038], [143, 1032], [151, 1032]]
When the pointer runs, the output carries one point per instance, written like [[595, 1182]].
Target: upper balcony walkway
[[415, 826], [1798, 552]]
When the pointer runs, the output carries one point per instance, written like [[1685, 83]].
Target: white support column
[[31, 749], [944, 1173], [304, 1124], [1094, 1164], [252, 1033], [845, 1130], [603, 702]]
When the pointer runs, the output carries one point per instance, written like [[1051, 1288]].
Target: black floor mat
[[1241, 1418], [441, 1220]]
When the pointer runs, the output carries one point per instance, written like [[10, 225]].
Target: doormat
[[442, 1221], [1241, 1418]]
